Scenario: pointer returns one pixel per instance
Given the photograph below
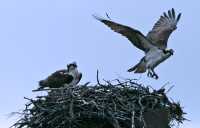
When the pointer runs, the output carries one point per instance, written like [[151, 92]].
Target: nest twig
[[124, 104]]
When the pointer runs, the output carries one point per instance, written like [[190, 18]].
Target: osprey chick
[[154, 44], [65, 77]]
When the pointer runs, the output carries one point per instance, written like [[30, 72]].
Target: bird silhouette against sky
[[154, 44]]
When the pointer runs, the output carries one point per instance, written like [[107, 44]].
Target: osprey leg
[[154, 75], [150, 73]]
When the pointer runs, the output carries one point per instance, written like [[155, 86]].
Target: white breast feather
[[153, 57]]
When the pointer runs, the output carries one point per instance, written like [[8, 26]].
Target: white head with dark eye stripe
[[170, 51], [71, 66], [73, 71]]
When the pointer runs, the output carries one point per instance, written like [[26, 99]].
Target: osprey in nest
[[154, 44], [65, 77]]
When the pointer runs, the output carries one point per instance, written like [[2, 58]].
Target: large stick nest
[[119, 104]]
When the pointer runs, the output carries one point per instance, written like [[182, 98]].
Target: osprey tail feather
[[138, 68]]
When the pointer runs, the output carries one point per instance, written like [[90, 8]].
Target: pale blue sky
[[40, 36]]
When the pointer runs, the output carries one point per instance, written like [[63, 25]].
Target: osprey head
[[71, 66], [170, 51]]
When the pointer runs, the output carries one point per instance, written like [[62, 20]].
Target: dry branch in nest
[[116, 104]]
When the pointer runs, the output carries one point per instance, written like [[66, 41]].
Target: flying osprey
[[65, 77], [154, 44]]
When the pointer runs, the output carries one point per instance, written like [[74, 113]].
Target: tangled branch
[[116, 104]]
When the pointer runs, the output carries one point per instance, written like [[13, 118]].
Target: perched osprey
[[154, 44], [65, 77]]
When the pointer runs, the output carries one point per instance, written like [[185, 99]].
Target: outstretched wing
[[163, 28], [133, 35]]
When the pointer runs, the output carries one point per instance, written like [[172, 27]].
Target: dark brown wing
[[56, 80], [163, 28], [133, 35]]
